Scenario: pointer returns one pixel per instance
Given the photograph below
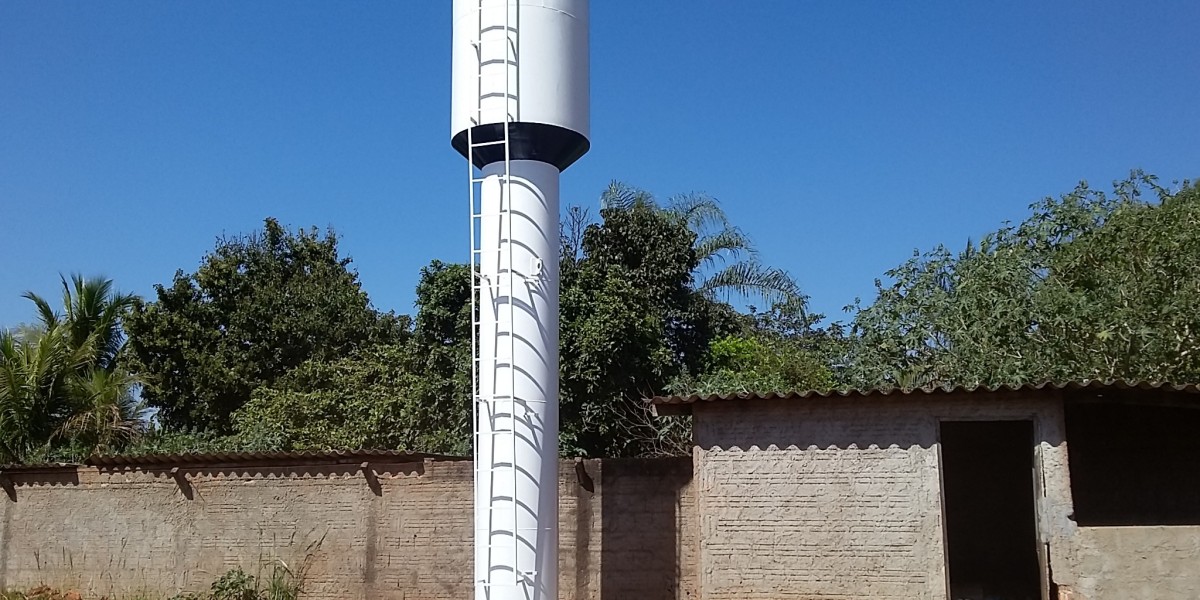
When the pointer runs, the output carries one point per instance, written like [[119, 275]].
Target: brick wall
[[402, 530]]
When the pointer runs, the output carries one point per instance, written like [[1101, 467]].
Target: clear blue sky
[[840, 135]]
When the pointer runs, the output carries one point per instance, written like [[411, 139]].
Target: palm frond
[[105, 412], [726, 245], [699, 211], [621, 195], [46, 314], [751, 279]]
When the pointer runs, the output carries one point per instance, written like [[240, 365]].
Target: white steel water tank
[[536, 73]]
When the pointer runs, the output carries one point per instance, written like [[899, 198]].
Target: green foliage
[[439, 354], [410, 396], [369, 400], [631, 321], [280, 584], [777, 351], [235, 585], [258, 306], [747, 364], [63, 393], [727, 263], [162, 441], [354, 402], [1090, 286]]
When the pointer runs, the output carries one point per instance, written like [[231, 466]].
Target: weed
[[280, 584], [235, 585]]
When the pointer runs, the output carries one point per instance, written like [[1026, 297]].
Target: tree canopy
[[259, 306], [273, 344], [412, 393], [631, 321], [1090, 286]]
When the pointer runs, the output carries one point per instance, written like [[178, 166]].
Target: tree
[[33, 400], [258, 306], [739, 364], [62, 387], [365, 400], [1090, 286], [218, 352], [631, 321], [780, 350], [727, 262], [93, 315], [413, 395], [439, 353], [105, 415]]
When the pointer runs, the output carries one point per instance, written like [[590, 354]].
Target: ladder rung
[[507, 37]]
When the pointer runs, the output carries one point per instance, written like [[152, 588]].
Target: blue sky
[[840, 135]]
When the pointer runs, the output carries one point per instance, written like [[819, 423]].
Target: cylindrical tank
[[517, 455], [519, 67], [535, 72]]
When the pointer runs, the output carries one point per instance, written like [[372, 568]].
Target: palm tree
[[34, 370], [105, 411], [728, 260], [92, 315], [60, 381]]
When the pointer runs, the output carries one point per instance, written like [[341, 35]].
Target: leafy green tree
[[106, 414], [439, 353], [1090, 286], [738, 364], [258, 306], [365, 400], [780, 350], [412, 396], [631, 321]]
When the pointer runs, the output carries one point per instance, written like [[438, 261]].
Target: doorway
[[988, 499]]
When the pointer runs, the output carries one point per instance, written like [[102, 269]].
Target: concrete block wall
[[400, 530], [837, 498]]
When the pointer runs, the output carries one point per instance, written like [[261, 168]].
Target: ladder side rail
[[490, 399], [512, 356]]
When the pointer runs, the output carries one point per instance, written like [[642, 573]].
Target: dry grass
[[48, 593]]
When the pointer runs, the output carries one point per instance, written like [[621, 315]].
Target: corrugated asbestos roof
[[35, 468], [239, 459], [260, 458], [679, 404]]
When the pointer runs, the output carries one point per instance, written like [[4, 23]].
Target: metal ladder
[[486, 404]]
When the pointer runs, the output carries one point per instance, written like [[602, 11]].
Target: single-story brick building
[[1085, 490]]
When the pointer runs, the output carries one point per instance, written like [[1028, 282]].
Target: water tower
[[520, 116]]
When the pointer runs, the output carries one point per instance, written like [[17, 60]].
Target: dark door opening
[[988, 499]]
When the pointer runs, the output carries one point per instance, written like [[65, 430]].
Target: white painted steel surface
[[517, 61], [552, 81], [517, 417]]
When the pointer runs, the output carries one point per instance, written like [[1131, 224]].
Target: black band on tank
[[550, 144]]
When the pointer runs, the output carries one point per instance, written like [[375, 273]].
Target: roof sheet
[[35, 467], [258, 458], [1095, 385], [237, 459]]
